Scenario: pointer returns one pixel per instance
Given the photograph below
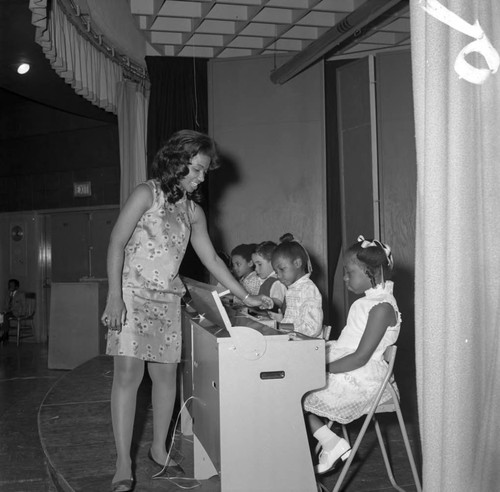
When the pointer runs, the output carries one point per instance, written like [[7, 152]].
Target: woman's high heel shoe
[[126, 485], [150, 456], [174, 469]]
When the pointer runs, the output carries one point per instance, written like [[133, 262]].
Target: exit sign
[[82, 189]]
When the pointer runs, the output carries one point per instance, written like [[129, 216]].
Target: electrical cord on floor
[[185, 483]]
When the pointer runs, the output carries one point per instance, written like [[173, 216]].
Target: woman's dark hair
[[244, 250], [265, 249], [292, 249], [373, 258], [171, 162]]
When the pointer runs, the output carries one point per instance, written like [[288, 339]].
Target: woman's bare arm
[[139, 201]]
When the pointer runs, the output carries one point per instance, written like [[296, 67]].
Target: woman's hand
[[261, 302], [267, 303], [115, 313]]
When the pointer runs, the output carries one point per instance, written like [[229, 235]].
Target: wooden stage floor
[[74, 426]]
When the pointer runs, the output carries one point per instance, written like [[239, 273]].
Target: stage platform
[[74, 424]]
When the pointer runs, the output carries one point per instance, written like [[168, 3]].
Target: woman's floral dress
[[151, 285]]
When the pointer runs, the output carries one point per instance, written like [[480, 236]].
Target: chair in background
[[391, 405], [23, 323]]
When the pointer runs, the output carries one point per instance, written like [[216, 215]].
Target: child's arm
[[380, 318], [310, 322], [277, 293]]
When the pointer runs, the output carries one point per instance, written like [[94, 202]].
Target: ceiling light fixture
[[23, 68]]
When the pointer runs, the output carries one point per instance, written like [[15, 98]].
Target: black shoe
[[173, 468]]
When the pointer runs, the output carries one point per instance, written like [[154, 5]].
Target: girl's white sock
[[326, 438]]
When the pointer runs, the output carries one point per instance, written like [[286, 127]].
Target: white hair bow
[[375, 243]]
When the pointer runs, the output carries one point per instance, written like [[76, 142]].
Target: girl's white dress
[[348, 395]]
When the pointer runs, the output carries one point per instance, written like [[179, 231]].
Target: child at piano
[[271, 286], [302, 307], [355, 363], [243, 268]]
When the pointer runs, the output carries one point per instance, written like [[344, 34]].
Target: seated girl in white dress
[[355, 363]]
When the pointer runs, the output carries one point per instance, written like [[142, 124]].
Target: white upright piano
[[246, 381]]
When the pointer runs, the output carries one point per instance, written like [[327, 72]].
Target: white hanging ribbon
[[481, 44]]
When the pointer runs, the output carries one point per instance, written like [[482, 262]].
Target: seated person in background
[[271, 286], [14, 305], [243, 268], [303, 305]]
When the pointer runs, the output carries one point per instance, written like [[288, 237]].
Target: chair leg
[[354, 450], [321, 487], [346, 433], [409, 452], [386, 456]]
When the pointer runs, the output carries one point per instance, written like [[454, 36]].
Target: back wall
[[272, 138]]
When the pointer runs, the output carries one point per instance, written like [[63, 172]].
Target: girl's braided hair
[[374, 256]]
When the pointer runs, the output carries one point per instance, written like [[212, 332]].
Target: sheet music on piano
[[206, 301]]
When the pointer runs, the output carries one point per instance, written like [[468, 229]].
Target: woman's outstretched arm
[[203, 247]]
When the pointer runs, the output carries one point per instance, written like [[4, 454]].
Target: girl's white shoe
[[327, 459]]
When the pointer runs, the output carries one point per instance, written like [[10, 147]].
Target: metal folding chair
[[391, 405]]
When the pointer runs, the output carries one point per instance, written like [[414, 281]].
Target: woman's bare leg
[[164, 378], [127, 376]]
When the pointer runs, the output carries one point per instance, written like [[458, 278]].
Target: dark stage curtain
[[178, 100]]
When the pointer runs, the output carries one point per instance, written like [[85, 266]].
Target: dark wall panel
[[398, 178], [43, 151], [353, 93]]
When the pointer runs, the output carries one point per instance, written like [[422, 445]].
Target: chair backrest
[[30, 304], [387, 406], [390, 356], [325, 334]]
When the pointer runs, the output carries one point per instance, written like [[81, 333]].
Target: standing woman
[[143, 312]]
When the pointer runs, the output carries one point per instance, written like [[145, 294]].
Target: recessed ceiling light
[[23, 68]]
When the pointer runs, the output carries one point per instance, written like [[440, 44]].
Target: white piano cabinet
[[248, 422]]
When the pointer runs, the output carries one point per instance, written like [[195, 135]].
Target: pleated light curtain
[[132, 126], [455, 45], [100, 80], [86, 69]]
